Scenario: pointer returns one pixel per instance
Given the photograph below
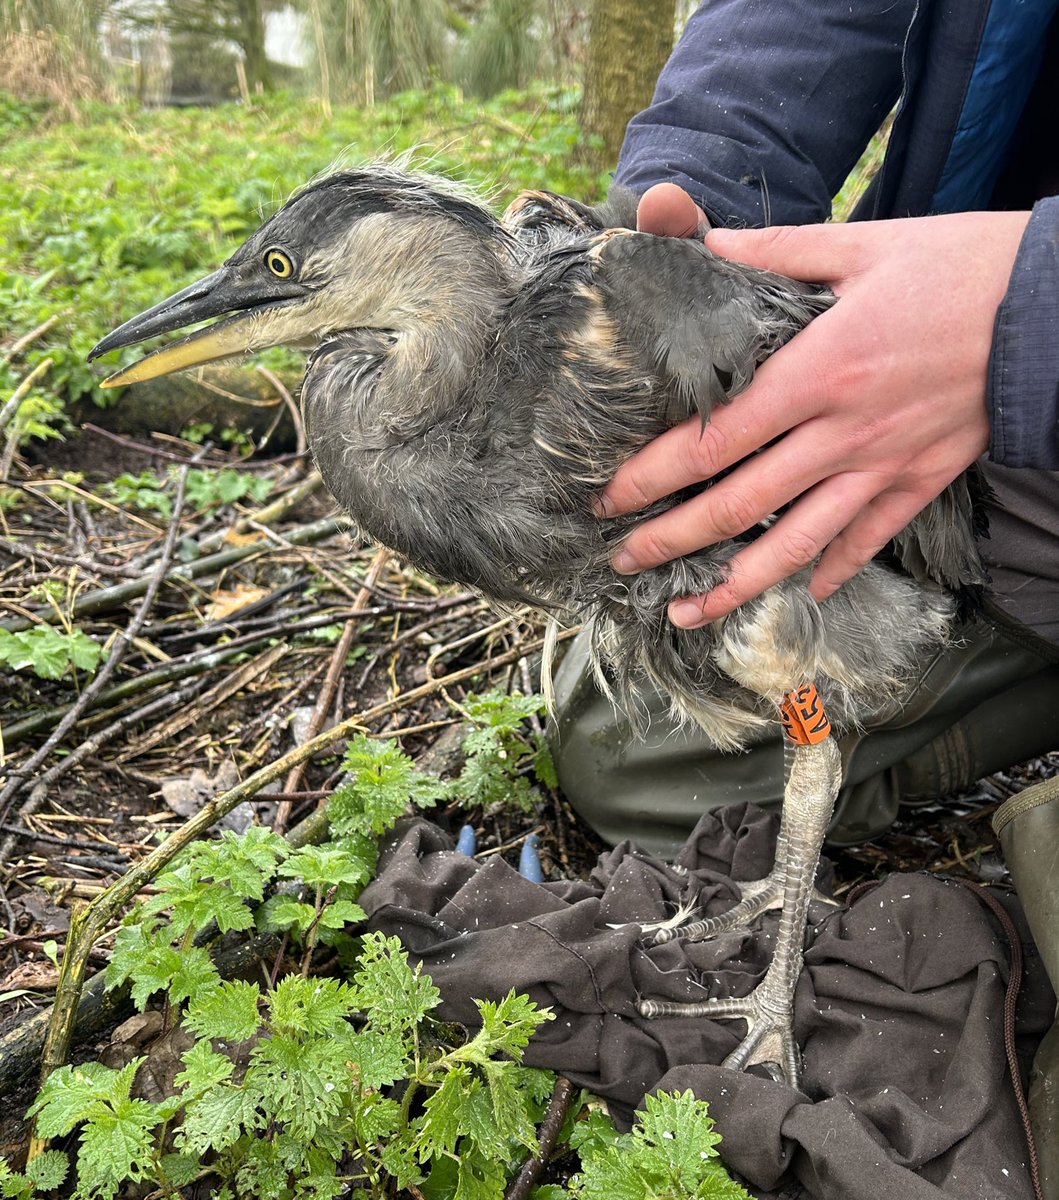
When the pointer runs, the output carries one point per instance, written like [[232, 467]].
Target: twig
[[549, 1132], [9, 410], [107, 599], [301, 443], [327, 691], [118, 651], [28, 339]]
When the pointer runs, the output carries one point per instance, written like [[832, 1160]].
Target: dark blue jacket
[[765, 107]]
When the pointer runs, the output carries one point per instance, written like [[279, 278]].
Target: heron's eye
[[279, 263]]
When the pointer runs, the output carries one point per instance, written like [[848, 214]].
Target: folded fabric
[[906, 1090]]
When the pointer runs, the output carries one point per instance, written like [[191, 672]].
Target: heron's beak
[[217, 294]]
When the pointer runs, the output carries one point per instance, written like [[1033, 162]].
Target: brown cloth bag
[[906, 1090]]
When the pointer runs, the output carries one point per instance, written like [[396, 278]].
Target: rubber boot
[[981, 705], [1028, 828]]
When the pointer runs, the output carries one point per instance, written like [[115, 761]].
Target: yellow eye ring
[[279, 263]]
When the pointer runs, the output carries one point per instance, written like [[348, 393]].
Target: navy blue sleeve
[[764, 108], [1024, 366]]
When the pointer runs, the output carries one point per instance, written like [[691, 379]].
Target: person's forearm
[[764, 108], [1024, 365]]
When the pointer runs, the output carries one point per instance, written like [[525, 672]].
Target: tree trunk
[[252, 39], [629, 42]]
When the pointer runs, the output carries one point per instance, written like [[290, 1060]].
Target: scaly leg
[[809, 798]]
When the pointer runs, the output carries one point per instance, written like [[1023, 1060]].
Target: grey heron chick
[[474, 382]]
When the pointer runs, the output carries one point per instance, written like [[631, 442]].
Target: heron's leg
[[812, 785]]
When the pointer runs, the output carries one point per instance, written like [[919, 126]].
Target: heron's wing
[[940, 543], [533, 215], [703, 322]]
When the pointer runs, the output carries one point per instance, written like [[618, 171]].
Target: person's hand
[[877, 406]]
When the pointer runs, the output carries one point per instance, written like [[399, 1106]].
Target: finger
[[820, 253], [691, 452], [668, 210], [869, 531], [760, 486], [794, 542]]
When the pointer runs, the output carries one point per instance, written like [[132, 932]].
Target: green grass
[[102, 217]]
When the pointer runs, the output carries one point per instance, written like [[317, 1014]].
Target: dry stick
[[88, 924], [301, 442], [121, 645], [327, 692], [7, 413], [549, 1132], [29, 338], [92, 744], [107, 599], [178, 668]]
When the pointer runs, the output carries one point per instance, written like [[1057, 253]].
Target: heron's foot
[[758, 896], [768, 1013]]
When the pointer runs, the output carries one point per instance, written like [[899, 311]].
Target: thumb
[[818, 253]]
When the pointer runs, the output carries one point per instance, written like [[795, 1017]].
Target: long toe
[[769, 1039]]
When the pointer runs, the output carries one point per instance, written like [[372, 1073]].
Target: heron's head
[[373, 248]]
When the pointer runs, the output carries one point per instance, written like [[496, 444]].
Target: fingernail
[[624, 563], [719, 240], [602, 506], [687, 614]]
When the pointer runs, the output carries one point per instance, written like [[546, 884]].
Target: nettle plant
[[315, 1085]]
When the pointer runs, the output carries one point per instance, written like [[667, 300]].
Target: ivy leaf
[[228, 1011]]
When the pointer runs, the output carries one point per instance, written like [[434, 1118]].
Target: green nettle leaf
[[245, 862], [48, 1170], [116, 1147], [196, 975], [379, 1059], [204, 1068], [228, 1011], [218, 1118], [196, 904], [671, 1152], [479, 1178], [340, 913], [284, 912], [179, 1170], [507, 1026], [384, 783], [314, 1007], [442, 1123], [510, 1111], [305, 1084], [396, 995], [325, 866], [71, 1095]]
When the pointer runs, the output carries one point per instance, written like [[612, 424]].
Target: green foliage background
[[105, 215]]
